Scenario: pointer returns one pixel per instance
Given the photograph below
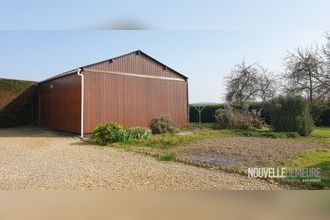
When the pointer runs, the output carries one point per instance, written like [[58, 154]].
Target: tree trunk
[[310, 89]]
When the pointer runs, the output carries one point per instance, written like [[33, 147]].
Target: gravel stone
[[37, 159]]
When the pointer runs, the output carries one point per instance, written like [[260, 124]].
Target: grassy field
[[184, 137], [197, 133], [317, 159], [319, 134]]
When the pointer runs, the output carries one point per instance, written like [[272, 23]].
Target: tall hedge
[[208, 113], [291, 114], [321, 114], [16, 102], [324, 119]]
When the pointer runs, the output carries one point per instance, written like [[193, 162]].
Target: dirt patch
[[243, 152]]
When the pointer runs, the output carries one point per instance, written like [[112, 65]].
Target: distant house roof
[[136, 52]]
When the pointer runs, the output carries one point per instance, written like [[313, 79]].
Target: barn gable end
[[137, 63]]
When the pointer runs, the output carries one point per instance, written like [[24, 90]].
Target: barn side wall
[[60, 103], [132, 101]]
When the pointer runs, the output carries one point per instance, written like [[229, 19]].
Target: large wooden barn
[[130, 89]]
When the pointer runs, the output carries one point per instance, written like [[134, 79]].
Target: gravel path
[[32, 159]]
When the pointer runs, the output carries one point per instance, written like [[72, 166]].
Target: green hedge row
[[20, 109], [321, 115], [207, 113]]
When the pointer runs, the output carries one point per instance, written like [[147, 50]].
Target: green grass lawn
[[195, 133], [184, 137], [317, 159], [319, 134]]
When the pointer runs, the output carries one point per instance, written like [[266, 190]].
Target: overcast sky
[[201, 39]]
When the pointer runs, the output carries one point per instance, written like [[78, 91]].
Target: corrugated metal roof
[[137, 52]]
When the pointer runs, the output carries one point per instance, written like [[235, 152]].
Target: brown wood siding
[[59, 107], [132, 101], [137, 64]]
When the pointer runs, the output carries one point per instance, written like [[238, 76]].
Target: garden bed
[[228, 150], [243, 152]]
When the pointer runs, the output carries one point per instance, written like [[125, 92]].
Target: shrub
[[225, 118], [236, 119], [137, 133], [108, 134], [305, 124], [255, 118], [161, 125], [290, 114], [112, 133]]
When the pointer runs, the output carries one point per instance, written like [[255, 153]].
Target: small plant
[[161, 125], [137, 133], [108, 134], [168, 156], [114, 132]]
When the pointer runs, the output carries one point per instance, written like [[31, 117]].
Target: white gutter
[[82, 103]]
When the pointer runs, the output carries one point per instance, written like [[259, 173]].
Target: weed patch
[[167, 156]]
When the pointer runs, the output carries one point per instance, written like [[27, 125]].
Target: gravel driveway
[[33, 158]]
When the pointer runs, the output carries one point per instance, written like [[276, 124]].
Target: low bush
[[225, 118], [161, 125], [290, 114], [255, 119], [108, 134], [137, 133], [114, 132], [237, 119]]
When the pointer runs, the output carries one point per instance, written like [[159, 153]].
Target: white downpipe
[[82, 103]]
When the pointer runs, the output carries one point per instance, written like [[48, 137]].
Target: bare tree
[[327, 46], [305, 72], [327, 55], [266, 84], [249, 83]]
